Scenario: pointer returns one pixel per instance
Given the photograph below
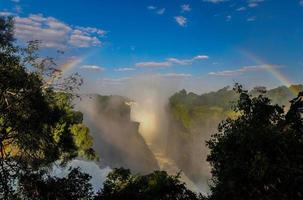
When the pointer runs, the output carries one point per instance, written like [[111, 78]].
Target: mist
[[147, 139], [98, 175]]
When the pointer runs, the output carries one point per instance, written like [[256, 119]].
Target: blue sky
[[215, 40]]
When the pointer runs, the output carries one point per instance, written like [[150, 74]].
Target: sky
[[199, 44]]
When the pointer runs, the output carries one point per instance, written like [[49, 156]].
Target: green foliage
[[37, 186], [83, 141], [121, 184], [37, 122], [190, 109], [259, 154]]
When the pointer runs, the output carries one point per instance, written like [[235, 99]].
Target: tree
[[258, 155], [37, 122], [158, 185], [74, 186]]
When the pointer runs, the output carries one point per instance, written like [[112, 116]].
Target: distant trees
[[258, 155], [190, 109]]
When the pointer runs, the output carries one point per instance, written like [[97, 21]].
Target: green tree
[[74, 186], [258, 155], [121, 184], [37, 120]]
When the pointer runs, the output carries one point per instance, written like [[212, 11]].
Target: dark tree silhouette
[[258, 155], [74, 186], [121, 184], [37, 122]]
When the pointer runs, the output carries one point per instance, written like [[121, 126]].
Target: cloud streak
[[176, 75], [254, 3], [153, 64], [5, 14], [159, 11], [215, 1], [124, 69], [170, 61], [240, 71], [94, 68], [114, 81], [241, 9], [251, 19]]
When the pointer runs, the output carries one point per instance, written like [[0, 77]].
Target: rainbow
[[75, 61], [71, 63], [273, 70]]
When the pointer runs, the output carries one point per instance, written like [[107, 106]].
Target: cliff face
[[116, 137], [193, 118]]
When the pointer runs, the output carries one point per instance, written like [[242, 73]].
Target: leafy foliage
[[36, 186], [158, 185], [189, 109], [37, 122], [259, 154]]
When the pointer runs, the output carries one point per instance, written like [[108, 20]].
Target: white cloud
[[170, 61], [153, 64], [187, 61], [79, 40], [228, 18], [201, 57], [179, 62], [115, 81], [301, 2], [92, 68], [161, 11], [54, 33], [254, 3], [185, 8], [240, 71], [151, 7], [124, 69], [88, 30], [215, 1], [251, 19], [5, 14], [176, 75], [182, 21], [241, 9]]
